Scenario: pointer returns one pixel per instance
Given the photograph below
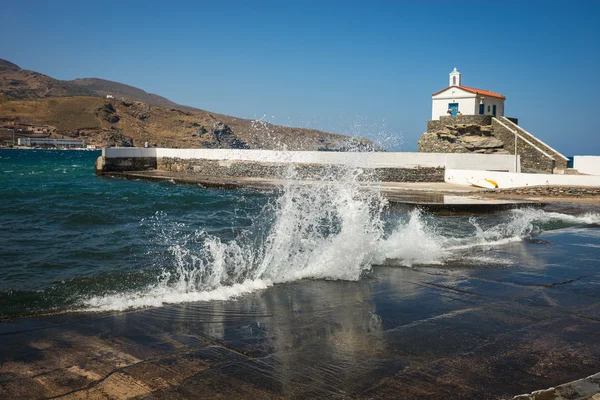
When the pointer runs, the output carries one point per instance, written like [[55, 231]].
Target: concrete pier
[[429, 196], [413, 179]]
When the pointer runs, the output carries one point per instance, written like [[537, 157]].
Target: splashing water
[[328, 230], [334, 229]]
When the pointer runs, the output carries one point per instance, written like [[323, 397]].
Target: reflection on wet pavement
[[458, 331]]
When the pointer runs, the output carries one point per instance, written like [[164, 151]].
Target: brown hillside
[[80, 108], [130, 123], [118, 90]]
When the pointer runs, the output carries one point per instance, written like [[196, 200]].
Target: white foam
[[325, 231], [160, 295], [414, 242], [330, 230]]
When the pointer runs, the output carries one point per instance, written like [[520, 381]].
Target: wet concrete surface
[[477, 330], [430, 196]]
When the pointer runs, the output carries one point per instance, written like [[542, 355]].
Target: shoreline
[[54, 149]]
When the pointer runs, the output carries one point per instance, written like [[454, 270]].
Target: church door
[[494, 110], [482, 109], [453, 107]]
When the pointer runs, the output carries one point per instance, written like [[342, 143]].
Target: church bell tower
[[454, 78]]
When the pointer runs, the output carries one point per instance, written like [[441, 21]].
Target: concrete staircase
[[562, 162], [536, 156]]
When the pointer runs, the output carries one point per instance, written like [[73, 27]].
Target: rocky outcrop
[[480, 142], [116, 138], [225, 138], [108, 113], [462, 138], [137, 109]]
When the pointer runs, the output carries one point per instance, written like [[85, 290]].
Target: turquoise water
[[67, 234], [72, 241]]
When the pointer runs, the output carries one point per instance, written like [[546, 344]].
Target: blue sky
[[362, 68]]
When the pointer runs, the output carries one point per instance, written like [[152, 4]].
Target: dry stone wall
[[437, 125], [561, 162], [303, 171], [548, 191], [532, 159]]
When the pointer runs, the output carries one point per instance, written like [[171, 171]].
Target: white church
[[465, 100]]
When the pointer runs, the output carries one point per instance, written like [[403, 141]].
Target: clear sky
[[362, 68]]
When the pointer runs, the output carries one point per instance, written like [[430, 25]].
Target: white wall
[[513, 180], [501, 162], [466, 105], [587, 164], [466, 102], [490, 101]]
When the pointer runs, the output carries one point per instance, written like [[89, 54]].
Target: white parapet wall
[[587, 164], [495, 162], [513, 180]]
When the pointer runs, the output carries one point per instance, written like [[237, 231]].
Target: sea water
[[74, 242]]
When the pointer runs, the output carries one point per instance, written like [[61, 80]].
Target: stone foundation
[[485, 134], [461, 138], [125, 164], [437, 125]]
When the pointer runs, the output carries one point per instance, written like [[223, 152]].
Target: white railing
[[518, 128], [517, 134]]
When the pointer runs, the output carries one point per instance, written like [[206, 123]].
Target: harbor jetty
[[435, 181], [416, 179]]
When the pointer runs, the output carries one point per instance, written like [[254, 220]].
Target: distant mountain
[[23, 84], [80, 108], [104, 87]]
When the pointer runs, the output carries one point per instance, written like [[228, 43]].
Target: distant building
[[109, 96], [45, 142], [466, 100]]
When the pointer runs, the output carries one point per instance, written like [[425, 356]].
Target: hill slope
[[80, 109], [23, 84], [131, 123], [105, 87]]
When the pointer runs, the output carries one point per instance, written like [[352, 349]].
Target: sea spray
[[326, 230], [412, 241], [337, 228], [323, 230]]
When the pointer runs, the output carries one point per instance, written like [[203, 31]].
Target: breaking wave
[[336, 229]]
